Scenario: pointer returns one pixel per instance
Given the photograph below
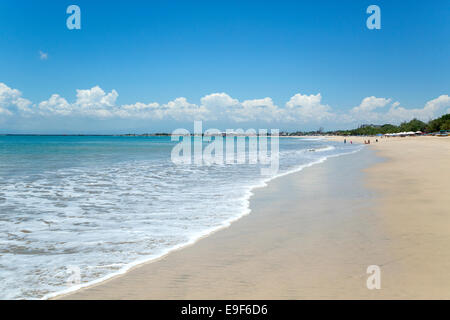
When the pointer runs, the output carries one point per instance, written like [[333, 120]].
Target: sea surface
[[76, 210]]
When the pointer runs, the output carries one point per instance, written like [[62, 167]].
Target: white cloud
[[43, 55], [11, 100], [307, 108], [55, 105], [368, 112], [218, 101], [96, 98], [179, 109], [5, 112], [300, 109], [255, 109], [92, 102], [432, 109], [140, 109], [370, 104], [435, 104]]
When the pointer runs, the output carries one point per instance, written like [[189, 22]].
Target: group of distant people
[[368, 141], [365, 141]]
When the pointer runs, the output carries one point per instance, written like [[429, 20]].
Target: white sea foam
[[109, 218], [327, 148]]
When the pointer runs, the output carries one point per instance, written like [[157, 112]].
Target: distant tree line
[[439, 124]]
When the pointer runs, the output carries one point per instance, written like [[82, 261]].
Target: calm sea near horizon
[[99, 204]]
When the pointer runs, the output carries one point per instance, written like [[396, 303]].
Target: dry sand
[[414, 184], [313, 233]]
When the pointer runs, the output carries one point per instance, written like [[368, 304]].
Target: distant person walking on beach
[[345, 140]]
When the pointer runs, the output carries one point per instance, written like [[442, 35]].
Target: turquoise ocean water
[[99, 205]]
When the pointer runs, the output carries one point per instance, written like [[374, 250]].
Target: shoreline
[[153, 259], [329, 263], [255, 190]]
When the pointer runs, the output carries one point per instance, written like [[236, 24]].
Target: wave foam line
[[196, 237]]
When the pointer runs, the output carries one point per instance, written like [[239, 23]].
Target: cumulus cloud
[[11, 101], [299, 109], [432, 108], [95, 102], [256, 109], [96, 98], [218, 101], [435, 104], [55, 105], [368, 110], [307, 108], [141, 109], [179, 109], [370, 104], [92, 102]]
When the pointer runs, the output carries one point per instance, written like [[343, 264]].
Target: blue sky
[[271, 64]]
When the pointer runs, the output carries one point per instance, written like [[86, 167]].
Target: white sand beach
[[312, 235]]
